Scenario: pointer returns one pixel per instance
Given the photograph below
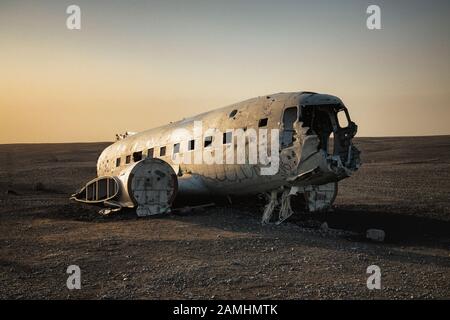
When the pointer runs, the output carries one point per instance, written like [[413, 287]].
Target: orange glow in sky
[[138, 65]]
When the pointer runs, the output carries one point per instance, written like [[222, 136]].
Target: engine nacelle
[[150, 185]]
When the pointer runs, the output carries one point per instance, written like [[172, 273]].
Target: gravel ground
[[224, 252]]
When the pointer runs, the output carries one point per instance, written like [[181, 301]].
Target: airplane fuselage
[[304, 121]]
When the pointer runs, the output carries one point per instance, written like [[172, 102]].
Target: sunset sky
[[135, 65]]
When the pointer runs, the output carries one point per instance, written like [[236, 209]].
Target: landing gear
[[281, 200], [309, 198]]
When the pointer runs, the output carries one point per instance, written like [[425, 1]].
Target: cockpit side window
[[287, 136], [342, 119]]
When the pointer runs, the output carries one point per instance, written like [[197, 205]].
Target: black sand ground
[[403, 188]]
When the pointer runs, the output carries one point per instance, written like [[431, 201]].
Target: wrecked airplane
[[280, 145]]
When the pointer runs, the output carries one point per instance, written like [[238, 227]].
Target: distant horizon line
[[356, 137]]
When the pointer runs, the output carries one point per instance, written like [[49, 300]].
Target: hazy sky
[[135, 65]]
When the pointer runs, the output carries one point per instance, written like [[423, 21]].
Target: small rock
[[375, 235], [324, 226]]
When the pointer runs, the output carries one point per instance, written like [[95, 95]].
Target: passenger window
[[162, 151], [342, 119], [191, 145], [227, 137], [262, 122], [208, 141], [137, 156], [150, 153], [118, 162], [176, 148], [128, 159]]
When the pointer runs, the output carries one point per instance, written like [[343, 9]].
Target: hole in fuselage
[[321, 121]]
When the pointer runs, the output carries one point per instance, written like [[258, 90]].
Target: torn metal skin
[[315, 152]]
